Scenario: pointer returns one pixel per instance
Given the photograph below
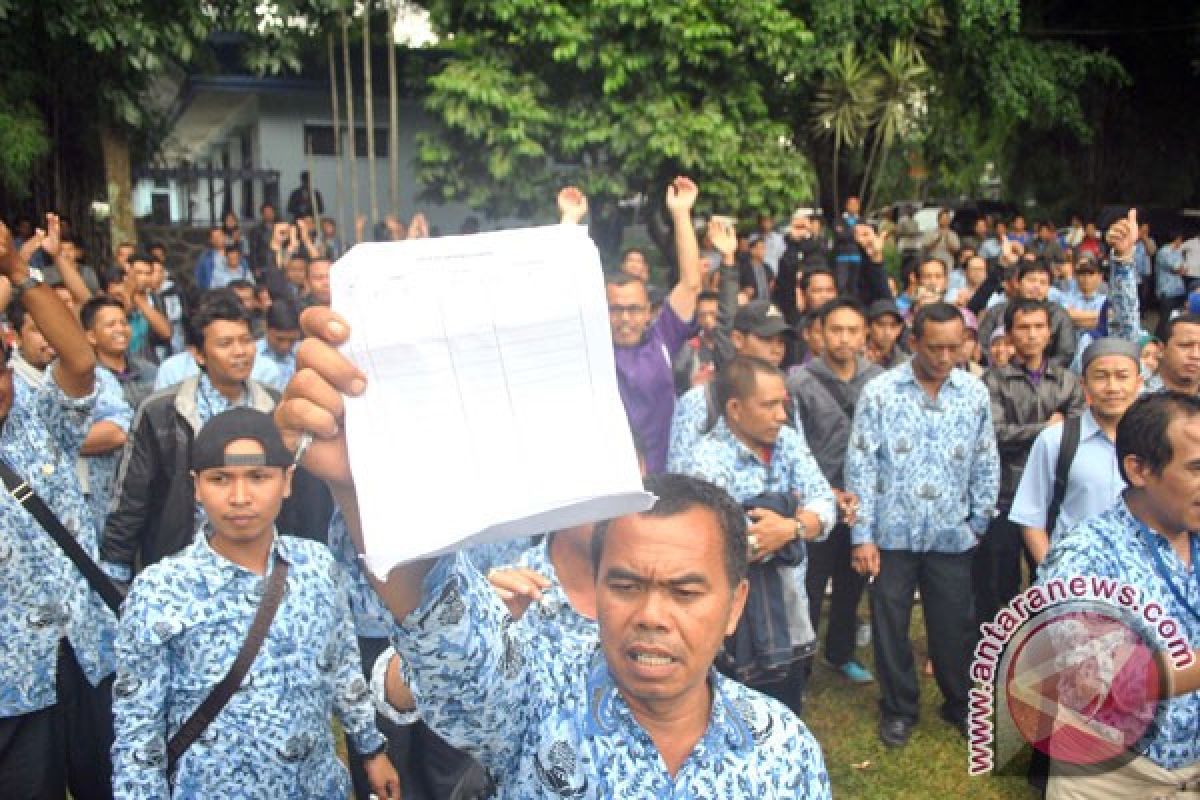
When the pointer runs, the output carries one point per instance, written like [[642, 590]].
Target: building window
[[319, 140]]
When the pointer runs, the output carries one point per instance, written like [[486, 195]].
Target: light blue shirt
[[926, 472], [182, 626], [43, 596], [286, 364], [183, 365], [1078, 301], [1167, 282], [1094, 482], [552, 723], [1115, 544]]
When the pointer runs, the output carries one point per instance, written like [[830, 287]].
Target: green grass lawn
[[845, 719]]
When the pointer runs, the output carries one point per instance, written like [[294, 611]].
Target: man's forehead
[[663, 548]]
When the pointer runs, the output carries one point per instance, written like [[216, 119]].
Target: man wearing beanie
[[1111, 382], [241, 594]]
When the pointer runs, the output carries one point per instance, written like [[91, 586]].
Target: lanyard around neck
[[1160, 566]]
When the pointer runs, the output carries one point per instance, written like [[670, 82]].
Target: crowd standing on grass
[[825, 409]]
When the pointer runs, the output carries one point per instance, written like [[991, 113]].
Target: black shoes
[[895, 731]]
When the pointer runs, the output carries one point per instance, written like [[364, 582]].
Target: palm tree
[[844, 103], [903, 79]]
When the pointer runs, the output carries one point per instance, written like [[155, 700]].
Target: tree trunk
[[832, 213], [393, 112], [865, 184], [340, 199], [369, 108], [118, 177], [351, 147]]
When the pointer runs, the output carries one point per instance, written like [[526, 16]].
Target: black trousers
[[945, 583], [429, 768], [67, 746], [787, 689], [996, 568], [826, 560]]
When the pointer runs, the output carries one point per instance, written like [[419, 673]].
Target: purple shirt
[[647, 384]]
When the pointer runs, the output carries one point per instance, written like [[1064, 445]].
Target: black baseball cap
[[761, 319], [881, 308], [208, 449]]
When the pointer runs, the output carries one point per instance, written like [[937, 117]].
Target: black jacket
[[1019, 413], [154, 508], [799, 256]]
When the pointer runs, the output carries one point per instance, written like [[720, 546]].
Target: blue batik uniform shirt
[[926, 471], [550, 723], [1116, 544], [183, 624], [43, 596], [111, 406]]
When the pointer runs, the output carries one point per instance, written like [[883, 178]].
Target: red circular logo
[[1083, 685]]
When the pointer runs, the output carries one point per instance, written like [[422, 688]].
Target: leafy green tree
[[618, 96]]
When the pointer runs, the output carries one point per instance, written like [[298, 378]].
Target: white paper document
[[491, 409]]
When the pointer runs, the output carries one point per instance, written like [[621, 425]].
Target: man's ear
[[739, 605], [1136, 471]]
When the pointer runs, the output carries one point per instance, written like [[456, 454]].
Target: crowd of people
[[827, 410]]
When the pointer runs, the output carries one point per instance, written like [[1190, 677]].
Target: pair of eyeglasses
[[616, 311]]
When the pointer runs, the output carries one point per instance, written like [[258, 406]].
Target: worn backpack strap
[[1062, 470], [220, 695], [23, 493]]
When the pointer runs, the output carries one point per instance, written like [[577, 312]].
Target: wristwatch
[[24, 286], [800, 529]]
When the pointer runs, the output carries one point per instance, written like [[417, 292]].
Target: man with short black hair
[[1028, 395], [1033, 283], [824, 394], [759, 331], [154, 514], [885, 333], [272, 737], [1146, 540], [1111, 381], [279, 343], [924, 466], [755, 454], [316, 284], [1179, 367], [643, 344]]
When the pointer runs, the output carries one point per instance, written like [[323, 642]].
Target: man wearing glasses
[[644, 345]]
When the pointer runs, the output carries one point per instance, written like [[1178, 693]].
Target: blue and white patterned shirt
[[689, 423], [183, 624], [111, 406], [1115, 544], [43, 596], [926, 472], [551, 723], [722, 459]]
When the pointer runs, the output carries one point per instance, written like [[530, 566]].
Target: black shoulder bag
[[220, 695], [1062, 470]]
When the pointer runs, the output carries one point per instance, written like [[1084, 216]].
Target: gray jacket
[[1019, 413], [825, 407], [1062, 332]]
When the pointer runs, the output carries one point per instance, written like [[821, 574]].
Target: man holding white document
[[641, 715]]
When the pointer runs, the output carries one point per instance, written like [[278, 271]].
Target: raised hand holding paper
[[492, 408]]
